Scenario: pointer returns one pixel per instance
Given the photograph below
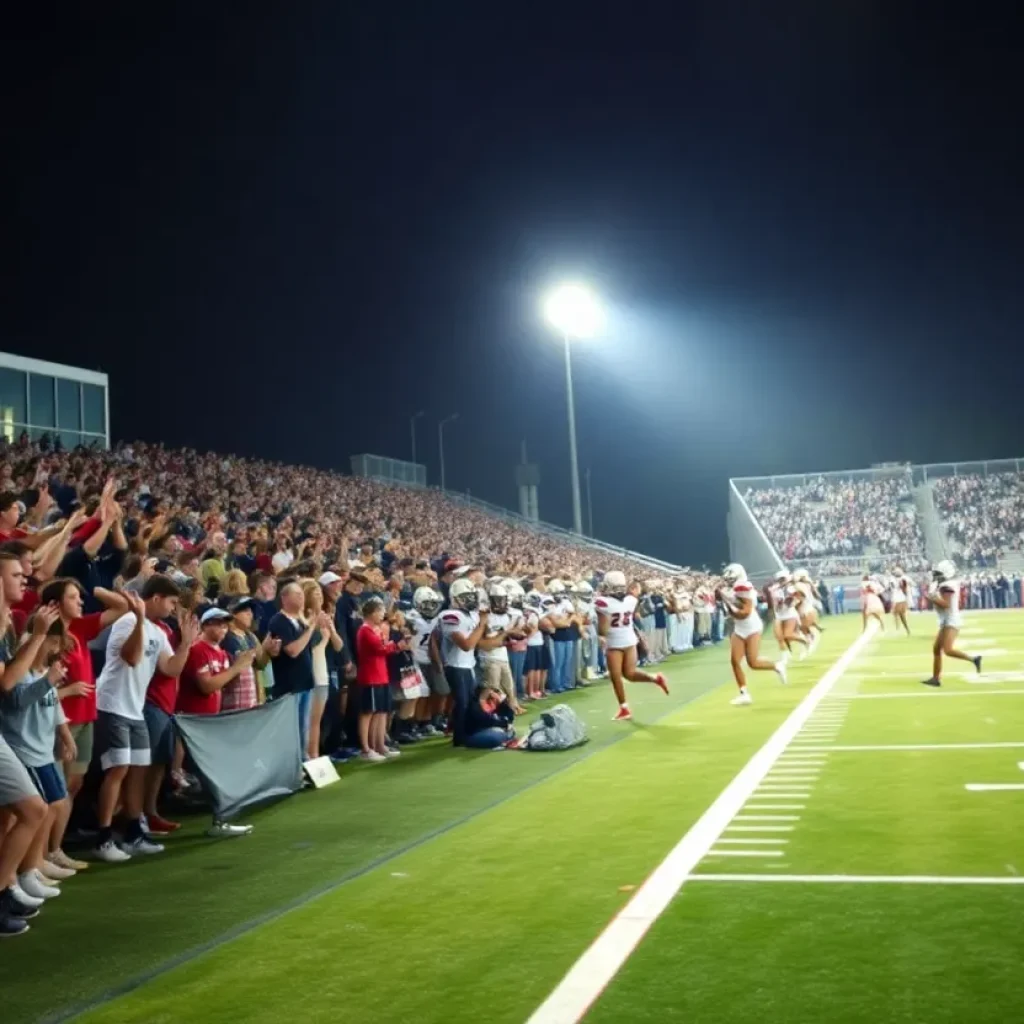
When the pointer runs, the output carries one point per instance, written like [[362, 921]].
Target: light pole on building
[[440, 441], [575, 313]]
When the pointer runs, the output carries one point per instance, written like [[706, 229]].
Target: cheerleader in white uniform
[[944, 596], [740, 600], [785, 618], [900, 595]]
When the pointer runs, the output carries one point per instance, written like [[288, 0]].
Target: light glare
[[573, 310]]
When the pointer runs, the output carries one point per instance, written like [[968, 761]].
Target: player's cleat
[[977, 663], [780, 671], [742, 698], [660, 680], [624, 715], [932, 682]]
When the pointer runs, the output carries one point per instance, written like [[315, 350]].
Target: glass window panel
[[95, 409], [69, 409], [12, 395], [70, 439], [40, 401]]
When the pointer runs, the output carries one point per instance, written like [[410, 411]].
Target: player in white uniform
[[740, 600], [422, 622], [615, 610], [901, 587], [806, 608], [785, 619], [944, 596]]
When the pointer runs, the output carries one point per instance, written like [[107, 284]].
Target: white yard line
[[745, 853], [926, 746], [927, 694], [759, 828], [767, 817], [866, 879], [751, 806], [592, 972], [753, 842], [984, 787]]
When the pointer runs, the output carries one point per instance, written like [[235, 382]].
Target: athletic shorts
[[121, 741], [15, 782], [82, 734], [536, 658], [374, 699], [435, 680], [163, 733], [49, 780]]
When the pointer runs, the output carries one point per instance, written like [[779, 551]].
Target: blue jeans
[[487, 739], [462, 682], [305, 704], [516, 660], [561, 665]]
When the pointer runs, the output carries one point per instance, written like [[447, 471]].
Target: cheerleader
[[944, 597], [901, 588], [807, 608], [871, 606], [738, 596], [785, 618]]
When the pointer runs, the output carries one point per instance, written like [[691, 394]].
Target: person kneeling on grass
[[489, 720], [373, 645]]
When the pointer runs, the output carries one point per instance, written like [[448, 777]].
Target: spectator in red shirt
[[372, 650], [78, 692]]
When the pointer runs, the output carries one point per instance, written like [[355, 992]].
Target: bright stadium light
[[575, 312]]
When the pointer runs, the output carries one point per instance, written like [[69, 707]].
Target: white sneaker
[[23, 897], [805, 650], [742, 698], [141, 845], [57, 872], [392, 753], [372, 756], [223, 829], [33, 887], [111, 853], [780, 671]]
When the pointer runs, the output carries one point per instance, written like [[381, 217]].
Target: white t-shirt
[[281, 560], [121, 688], [495, 624], [423, 630], [532, 621], [454, 620], [620, 620]]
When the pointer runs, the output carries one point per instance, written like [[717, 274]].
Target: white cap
[[214, 615], [327, 578]]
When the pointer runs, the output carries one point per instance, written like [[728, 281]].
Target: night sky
[[283, 232]]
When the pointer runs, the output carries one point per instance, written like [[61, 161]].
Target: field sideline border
[[588, 978], [237, 931]]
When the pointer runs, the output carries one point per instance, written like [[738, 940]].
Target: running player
[[900, 596], [615, 608], [944, 596], [785, 619], [807, 608], [871, 606], [738, 596]]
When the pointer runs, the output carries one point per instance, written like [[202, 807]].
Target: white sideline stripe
[[767, 817], [937, 693], [930, 746], [754, 842], [787, 794], [592, 972], [868, 879], [745, 853], [984, 787], [795, 761], [774, 807], [774, 789], [759, 828], [794, 773]]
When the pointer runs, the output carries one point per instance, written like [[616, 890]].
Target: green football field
[[838, 851]]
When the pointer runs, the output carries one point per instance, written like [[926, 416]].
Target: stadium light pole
[[412, 430], [574, 311], [440, 441]]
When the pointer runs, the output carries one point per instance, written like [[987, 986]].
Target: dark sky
[[283, 231]]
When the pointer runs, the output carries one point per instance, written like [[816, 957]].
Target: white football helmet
[[427, 602], [463, 595], [515, 593], [585, 590], [943, 571], [556, 586], [497, 598], [782, 576], [614, 583], [734, 573]]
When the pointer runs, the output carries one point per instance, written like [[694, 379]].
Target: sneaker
[[156, 826], [372, 756], [428, 730], [11, 926], [932, 682], [30, 883], [143, 845], [392, 753], [624, 715], [780, 671], [977, 663], [110, 853], [408, 737], [19, 894], [222, 829], [56, 872], [62, 860], [660, 680], [11, 906], [742, 698]]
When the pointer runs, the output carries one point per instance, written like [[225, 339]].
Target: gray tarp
[[246, 757]]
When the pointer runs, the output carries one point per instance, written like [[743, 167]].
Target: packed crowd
[[827, 516], [983, 515], [143, 584]]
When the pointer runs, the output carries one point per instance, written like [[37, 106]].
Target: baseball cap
[[327, 578], [214, 615], [240, 604]]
